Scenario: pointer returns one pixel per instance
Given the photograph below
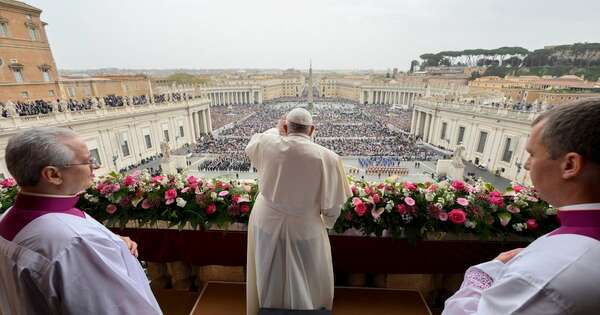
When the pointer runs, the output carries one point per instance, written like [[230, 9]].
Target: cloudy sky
[[336, 34]]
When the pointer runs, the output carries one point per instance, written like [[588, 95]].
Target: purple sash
[[28, 208], [581, 222]]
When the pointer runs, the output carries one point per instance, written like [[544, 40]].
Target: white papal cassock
[[302, 188]]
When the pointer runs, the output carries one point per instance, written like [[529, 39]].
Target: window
[[87, 91], [3, 29], [33, 33], [166, 135], [147, 138], [25, 94], [148, 141], [125, 144], [461, 135], [444, 127], [181, 131], [51, 93], [46, 75], [95, 155], [482, 139], [71, 91], [18, 74], [509, 148]]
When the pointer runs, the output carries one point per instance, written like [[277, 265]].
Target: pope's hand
[[280, 125], [507, 256], [131, 245]]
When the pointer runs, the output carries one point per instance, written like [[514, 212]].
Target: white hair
[[29, 151]]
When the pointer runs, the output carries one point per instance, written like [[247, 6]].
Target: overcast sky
[[336, 34]]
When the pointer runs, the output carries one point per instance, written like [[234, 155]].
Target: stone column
[[413, 122], [204, 122], [427, 126]]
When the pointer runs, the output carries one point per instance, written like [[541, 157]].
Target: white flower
[[389, 206], [470, 224], [449, 196], [551, 211], [441, 200], [213, 195], [429, 196], [519, 226], [180, 202]]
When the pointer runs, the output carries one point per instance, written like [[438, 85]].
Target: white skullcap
[[299, 116]]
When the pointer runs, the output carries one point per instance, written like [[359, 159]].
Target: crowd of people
[[226, 163], [347, 129]]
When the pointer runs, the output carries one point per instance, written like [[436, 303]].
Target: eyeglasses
[[92, 162]]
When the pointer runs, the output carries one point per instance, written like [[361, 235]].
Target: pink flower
[[376, 198], [356, 201], [244, 208], [129, 181], [360, 209], [354, 190], [146, 204], [235, 199], [410, 186], [458, 185], [376, 213], [212, 208], [368, 190], [409, 201], [517, 188], [432, 188], [495, 198], [171, 194], [157, 179], [513, 209], [7, 183], [111, 208], [457, 216], [443, 216], [226, 186], [532, 224], [185, 189], [223, 193], [462, 201]]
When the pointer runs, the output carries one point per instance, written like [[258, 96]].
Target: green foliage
[[186, 78]]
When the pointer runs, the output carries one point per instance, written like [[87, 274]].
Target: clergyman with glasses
[[55, 258]]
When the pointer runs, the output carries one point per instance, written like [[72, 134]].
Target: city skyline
[[266, 34]]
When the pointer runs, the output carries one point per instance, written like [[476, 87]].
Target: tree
[[413, 65]]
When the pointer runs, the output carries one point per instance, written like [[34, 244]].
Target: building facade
[[494, 138], [121, 136]]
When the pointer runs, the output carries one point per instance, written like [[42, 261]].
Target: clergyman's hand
[[507, 256], [131, 245]]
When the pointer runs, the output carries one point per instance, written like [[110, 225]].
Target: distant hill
[[582, 59]]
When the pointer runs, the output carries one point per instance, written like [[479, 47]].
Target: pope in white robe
[[302, 189]]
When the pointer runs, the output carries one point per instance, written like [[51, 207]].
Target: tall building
[[27, 67]]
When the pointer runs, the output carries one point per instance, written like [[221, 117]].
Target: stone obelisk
[[310, 88]]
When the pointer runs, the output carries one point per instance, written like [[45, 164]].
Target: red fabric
[[350, 253]]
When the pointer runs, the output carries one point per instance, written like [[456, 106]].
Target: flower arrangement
[[413, 210], [403, 210]]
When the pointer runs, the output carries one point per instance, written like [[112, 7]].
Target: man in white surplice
[[302, 189]]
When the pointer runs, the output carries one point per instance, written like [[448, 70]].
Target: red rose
[[212, 208], [532, 224], [110, 209], [245, 208], [360, 209], [457, 216], [376, 198], [458, 185]]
